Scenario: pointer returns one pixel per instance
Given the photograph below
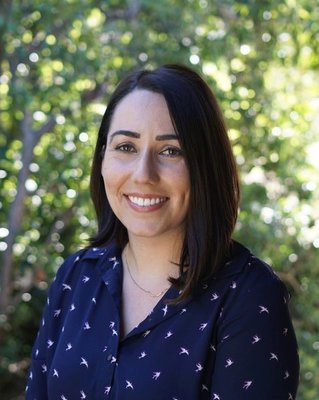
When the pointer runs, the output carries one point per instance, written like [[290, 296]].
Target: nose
[[146, 169]]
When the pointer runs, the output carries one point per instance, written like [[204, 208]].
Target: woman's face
[[145, 177]]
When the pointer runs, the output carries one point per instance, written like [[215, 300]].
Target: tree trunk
[[29, 139]]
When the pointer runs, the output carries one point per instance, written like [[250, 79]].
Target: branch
[[90, 95], [290, 279], [129, 13]]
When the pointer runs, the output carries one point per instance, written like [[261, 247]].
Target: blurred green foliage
[[59, 62]]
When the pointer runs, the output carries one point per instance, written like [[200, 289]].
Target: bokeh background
[[59, 62]]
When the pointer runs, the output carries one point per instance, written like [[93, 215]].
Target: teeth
[[145, 202]]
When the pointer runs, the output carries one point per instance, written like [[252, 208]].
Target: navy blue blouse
[[232, 341]]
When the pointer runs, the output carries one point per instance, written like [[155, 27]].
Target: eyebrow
[[135, 135]]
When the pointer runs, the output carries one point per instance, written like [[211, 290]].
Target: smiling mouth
[[147, 202]]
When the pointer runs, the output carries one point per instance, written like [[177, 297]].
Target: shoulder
[[247, 283], [247, 269], [90, 260]]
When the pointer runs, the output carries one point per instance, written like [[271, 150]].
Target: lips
[[146, 201]]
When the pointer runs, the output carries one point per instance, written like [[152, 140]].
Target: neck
[[153, 258]]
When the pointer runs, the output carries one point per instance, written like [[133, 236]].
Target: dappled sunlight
[[61, 62]]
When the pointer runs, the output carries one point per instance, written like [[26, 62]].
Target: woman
[[164, 304]]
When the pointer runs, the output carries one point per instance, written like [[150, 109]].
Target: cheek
[[183, 180], [108, 176], [113, 175]]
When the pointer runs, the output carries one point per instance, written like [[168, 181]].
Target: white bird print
[[84, 362], [86, 326], [273, 356], [224, 338], [63, 397], [285, 331], [290, 396], [165, 310], [72, 308], [55, 373], [204, 387], [85, 279], [247, 384], [212, 347], [184, 351], [107, 390], [94, 300], [56, 313], [37, 352], [233, 285], [83, 396], [77, 259], [216, 397], [114, 333], [62, 330], [156, 375], [143, 354], [183, 311], [263, 309], [112, 324], [44, 368], [31, 375], [105, 349], [129, 385], [229, 362], [146, 333], [199, 367], [205, 286], [113, 360], [66, 287], [256, 339], [115, 261], [68, 347], [50, 343], [168, 334], [286, 375], [203, 326], [214, 297]]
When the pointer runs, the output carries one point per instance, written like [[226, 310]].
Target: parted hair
[[214, 183]]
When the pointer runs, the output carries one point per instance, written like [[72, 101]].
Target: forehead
[[142, 110]]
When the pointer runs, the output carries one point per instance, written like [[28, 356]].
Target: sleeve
[[256, 351], [43, 348]]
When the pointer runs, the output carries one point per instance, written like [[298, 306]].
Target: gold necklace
[[140, 287]]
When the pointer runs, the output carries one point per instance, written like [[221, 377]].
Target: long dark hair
[[214, 192]]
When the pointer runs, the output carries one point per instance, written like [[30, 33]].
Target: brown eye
[[125, 148], [172, 152]]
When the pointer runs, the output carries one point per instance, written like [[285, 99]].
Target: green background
[[59, 62]]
